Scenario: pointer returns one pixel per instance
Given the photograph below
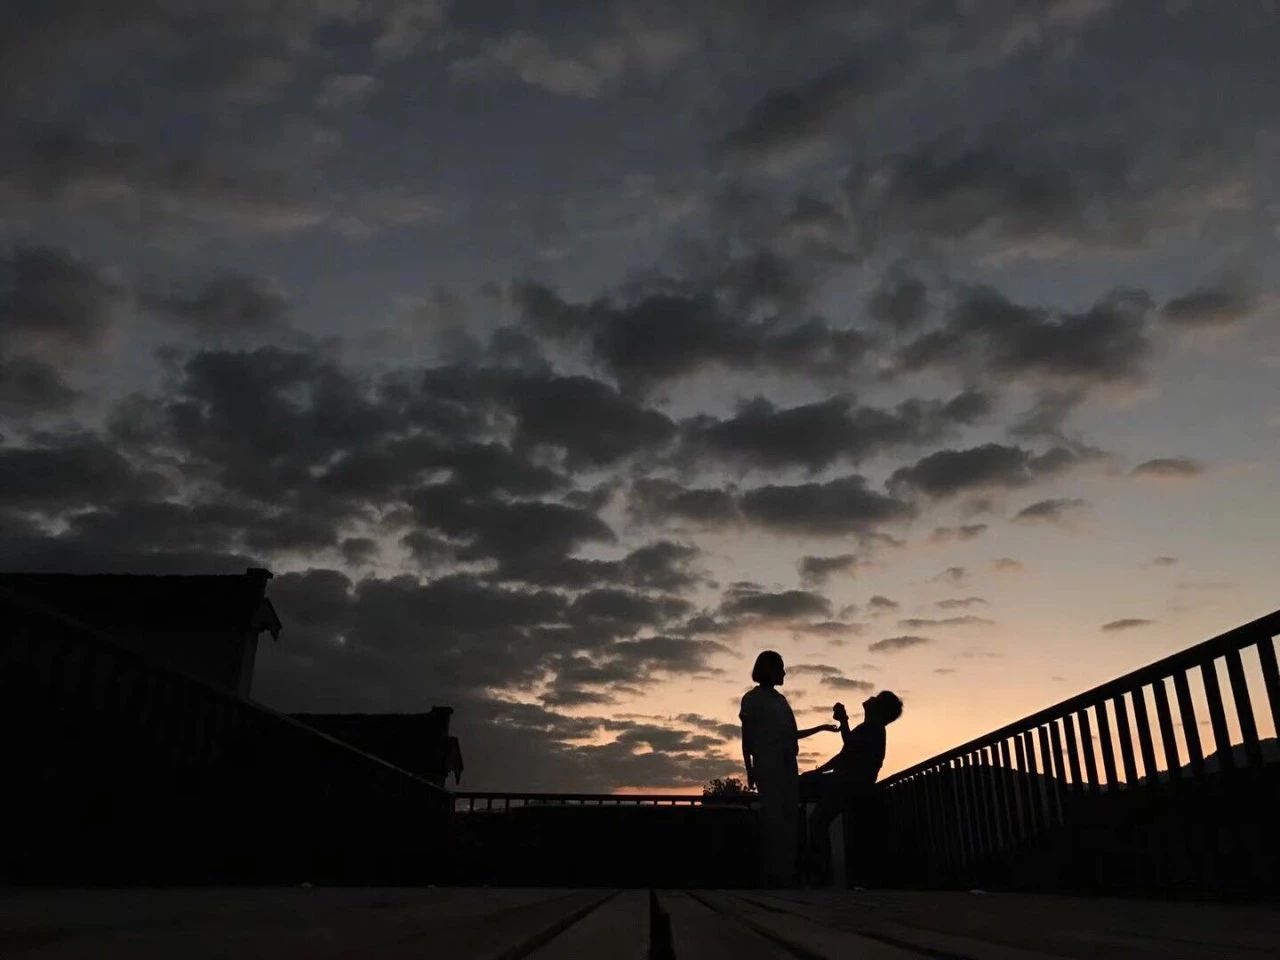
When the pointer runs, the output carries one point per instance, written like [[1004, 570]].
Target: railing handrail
[[1236, 639]]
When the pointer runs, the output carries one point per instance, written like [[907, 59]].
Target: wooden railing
[[121, 770], [1077, 796]]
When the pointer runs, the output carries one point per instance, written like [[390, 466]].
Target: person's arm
[[828, 727], [748, 750]]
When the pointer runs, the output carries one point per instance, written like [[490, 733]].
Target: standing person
[[769, 749], [852, 776]]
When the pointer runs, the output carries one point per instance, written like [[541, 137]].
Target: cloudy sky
[[559, 357]]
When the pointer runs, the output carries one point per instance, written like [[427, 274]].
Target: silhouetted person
[[847, 780], [769, 749]]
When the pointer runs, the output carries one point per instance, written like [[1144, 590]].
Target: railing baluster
[[962, 821], [1009, 789], [1104, 743], [1217, 717], [1145, 744], [1244, 709], [1051, 754], [1125, 736], [1190, 724], [1165, 718], [1073, 751], [973, 796], [1270, 679], [993, 810], [1031, 820], [1087, 748]]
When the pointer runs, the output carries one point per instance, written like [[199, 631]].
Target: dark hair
[[768, 666], [890, 705]]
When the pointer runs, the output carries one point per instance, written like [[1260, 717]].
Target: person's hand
[[831, 727]]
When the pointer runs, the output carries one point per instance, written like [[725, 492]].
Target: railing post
[[1190, 725], [1217, 717], [1244, 709], [1125, 736], [1145, 744]]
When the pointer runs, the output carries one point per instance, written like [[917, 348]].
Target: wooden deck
[[507, 924]]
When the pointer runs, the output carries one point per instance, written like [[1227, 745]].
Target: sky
[[558, 358]]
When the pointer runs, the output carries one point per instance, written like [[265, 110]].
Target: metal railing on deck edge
[[961, 816], [472, 801]]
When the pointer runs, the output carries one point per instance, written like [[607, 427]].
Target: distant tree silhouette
[[728, 790]]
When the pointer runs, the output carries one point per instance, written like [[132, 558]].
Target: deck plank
[[795, 931], [1105, 928], [619, 929], [699, 933], [275, 923]]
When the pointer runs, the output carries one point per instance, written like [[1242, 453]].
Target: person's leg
[[779, 808], [819, 827]]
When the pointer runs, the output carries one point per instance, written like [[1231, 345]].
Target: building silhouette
[[206, 627]]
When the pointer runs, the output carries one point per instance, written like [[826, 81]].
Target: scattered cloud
[[1170, 468], [1055, 511], [893, 644], [1128, 623]]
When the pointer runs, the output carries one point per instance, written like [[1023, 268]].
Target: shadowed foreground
[[468, 923]]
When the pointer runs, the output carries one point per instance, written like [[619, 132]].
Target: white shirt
[[768, 723]]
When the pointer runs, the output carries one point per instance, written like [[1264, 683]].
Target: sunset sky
[[559, 357]]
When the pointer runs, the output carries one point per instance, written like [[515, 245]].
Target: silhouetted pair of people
[[770, 746]]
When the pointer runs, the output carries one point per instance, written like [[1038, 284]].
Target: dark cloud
[[783, 606], [1057, 510], [661, 337], [795, 117], [835, 632], [1170, 468], [655, 500], [834, 508], [817, 570], [574, 698], [968, 531], [947, 473], [953, 575], [893, 644], [947, 189], [60, 473], [229, 304], [51, 301], [1219, 305], [624, 610], [816, 435], [725, 731], [1007, 565], [900, 301], [1128, 623], [818, 669], [519, 534], [29, 386], [987, 333], [70, 165], [1162, 562], [589, 420], [879, 604], [925, 623], [960, 603], [846, 683]]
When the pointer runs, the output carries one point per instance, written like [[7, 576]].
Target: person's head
[[884, 707], [769, 669]]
